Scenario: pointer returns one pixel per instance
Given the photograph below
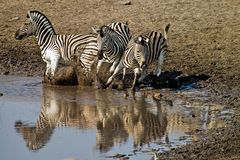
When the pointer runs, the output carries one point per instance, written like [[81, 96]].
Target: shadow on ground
[[168, 79]]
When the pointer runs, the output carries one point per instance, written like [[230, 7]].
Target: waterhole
[[62, 123]]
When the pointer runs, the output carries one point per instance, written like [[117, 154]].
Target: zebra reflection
[[114, 117], [130, 119], [55, 112]]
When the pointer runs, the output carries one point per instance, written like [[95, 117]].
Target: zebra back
[[83, 48], [151, 45], [146, 47]]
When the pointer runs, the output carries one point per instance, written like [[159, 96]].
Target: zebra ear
[[140, 40], [147, 40], [103, 30], [29, 14], [95, 29], [101, 33]]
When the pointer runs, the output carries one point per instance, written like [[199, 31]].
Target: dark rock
[[128, 2]]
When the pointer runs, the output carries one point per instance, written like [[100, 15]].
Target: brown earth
[[204, 39]]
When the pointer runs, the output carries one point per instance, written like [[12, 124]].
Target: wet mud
[[173, 80]]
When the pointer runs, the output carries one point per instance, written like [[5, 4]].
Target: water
[[63, 123]]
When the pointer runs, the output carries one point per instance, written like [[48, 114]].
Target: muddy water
[[44, 122]]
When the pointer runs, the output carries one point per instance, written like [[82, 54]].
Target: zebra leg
[[143, 74], [54, 64], [97, 80], [160, 64], [124, 74], [48, 69], [114, 65], [99, 64], [111, 79], [136, 73]]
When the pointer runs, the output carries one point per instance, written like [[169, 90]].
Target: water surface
[[58, 123]]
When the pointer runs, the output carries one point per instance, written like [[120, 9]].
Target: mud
[[203, 40]]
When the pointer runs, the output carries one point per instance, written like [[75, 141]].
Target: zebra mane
[[39, 17], [105, 29]]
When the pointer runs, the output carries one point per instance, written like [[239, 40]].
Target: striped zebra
[[112, 41], [38, 135], [146, 49], [55, 47]]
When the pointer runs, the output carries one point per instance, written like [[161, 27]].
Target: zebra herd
[[112, 43]]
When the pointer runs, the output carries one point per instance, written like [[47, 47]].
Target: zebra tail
[[166, 30]]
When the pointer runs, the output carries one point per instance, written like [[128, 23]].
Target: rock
[[126, 95], [118, 156], [13, 19], [1, 94], [128, 2], [157, 96]]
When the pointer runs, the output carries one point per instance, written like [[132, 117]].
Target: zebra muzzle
[[18, 36]]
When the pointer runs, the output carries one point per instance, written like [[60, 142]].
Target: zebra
[[141, 52], [55, 47], [39, 134], [112, 41]]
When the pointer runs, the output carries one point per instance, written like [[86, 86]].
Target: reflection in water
[[113, 116], [116, 118]]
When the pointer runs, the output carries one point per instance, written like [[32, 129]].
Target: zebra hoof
[[135, 88], [52, 81], [47, 78], [109, 85], [100, 85], [105, 85]]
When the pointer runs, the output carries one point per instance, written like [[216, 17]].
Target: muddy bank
[[204, 40], [222, 144]]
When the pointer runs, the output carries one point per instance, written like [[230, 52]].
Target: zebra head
[[27, 29], [103, 39], [141, 50], [35, 137]]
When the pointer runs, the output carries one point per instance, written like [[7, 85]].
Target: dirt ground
[[204, 39]]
